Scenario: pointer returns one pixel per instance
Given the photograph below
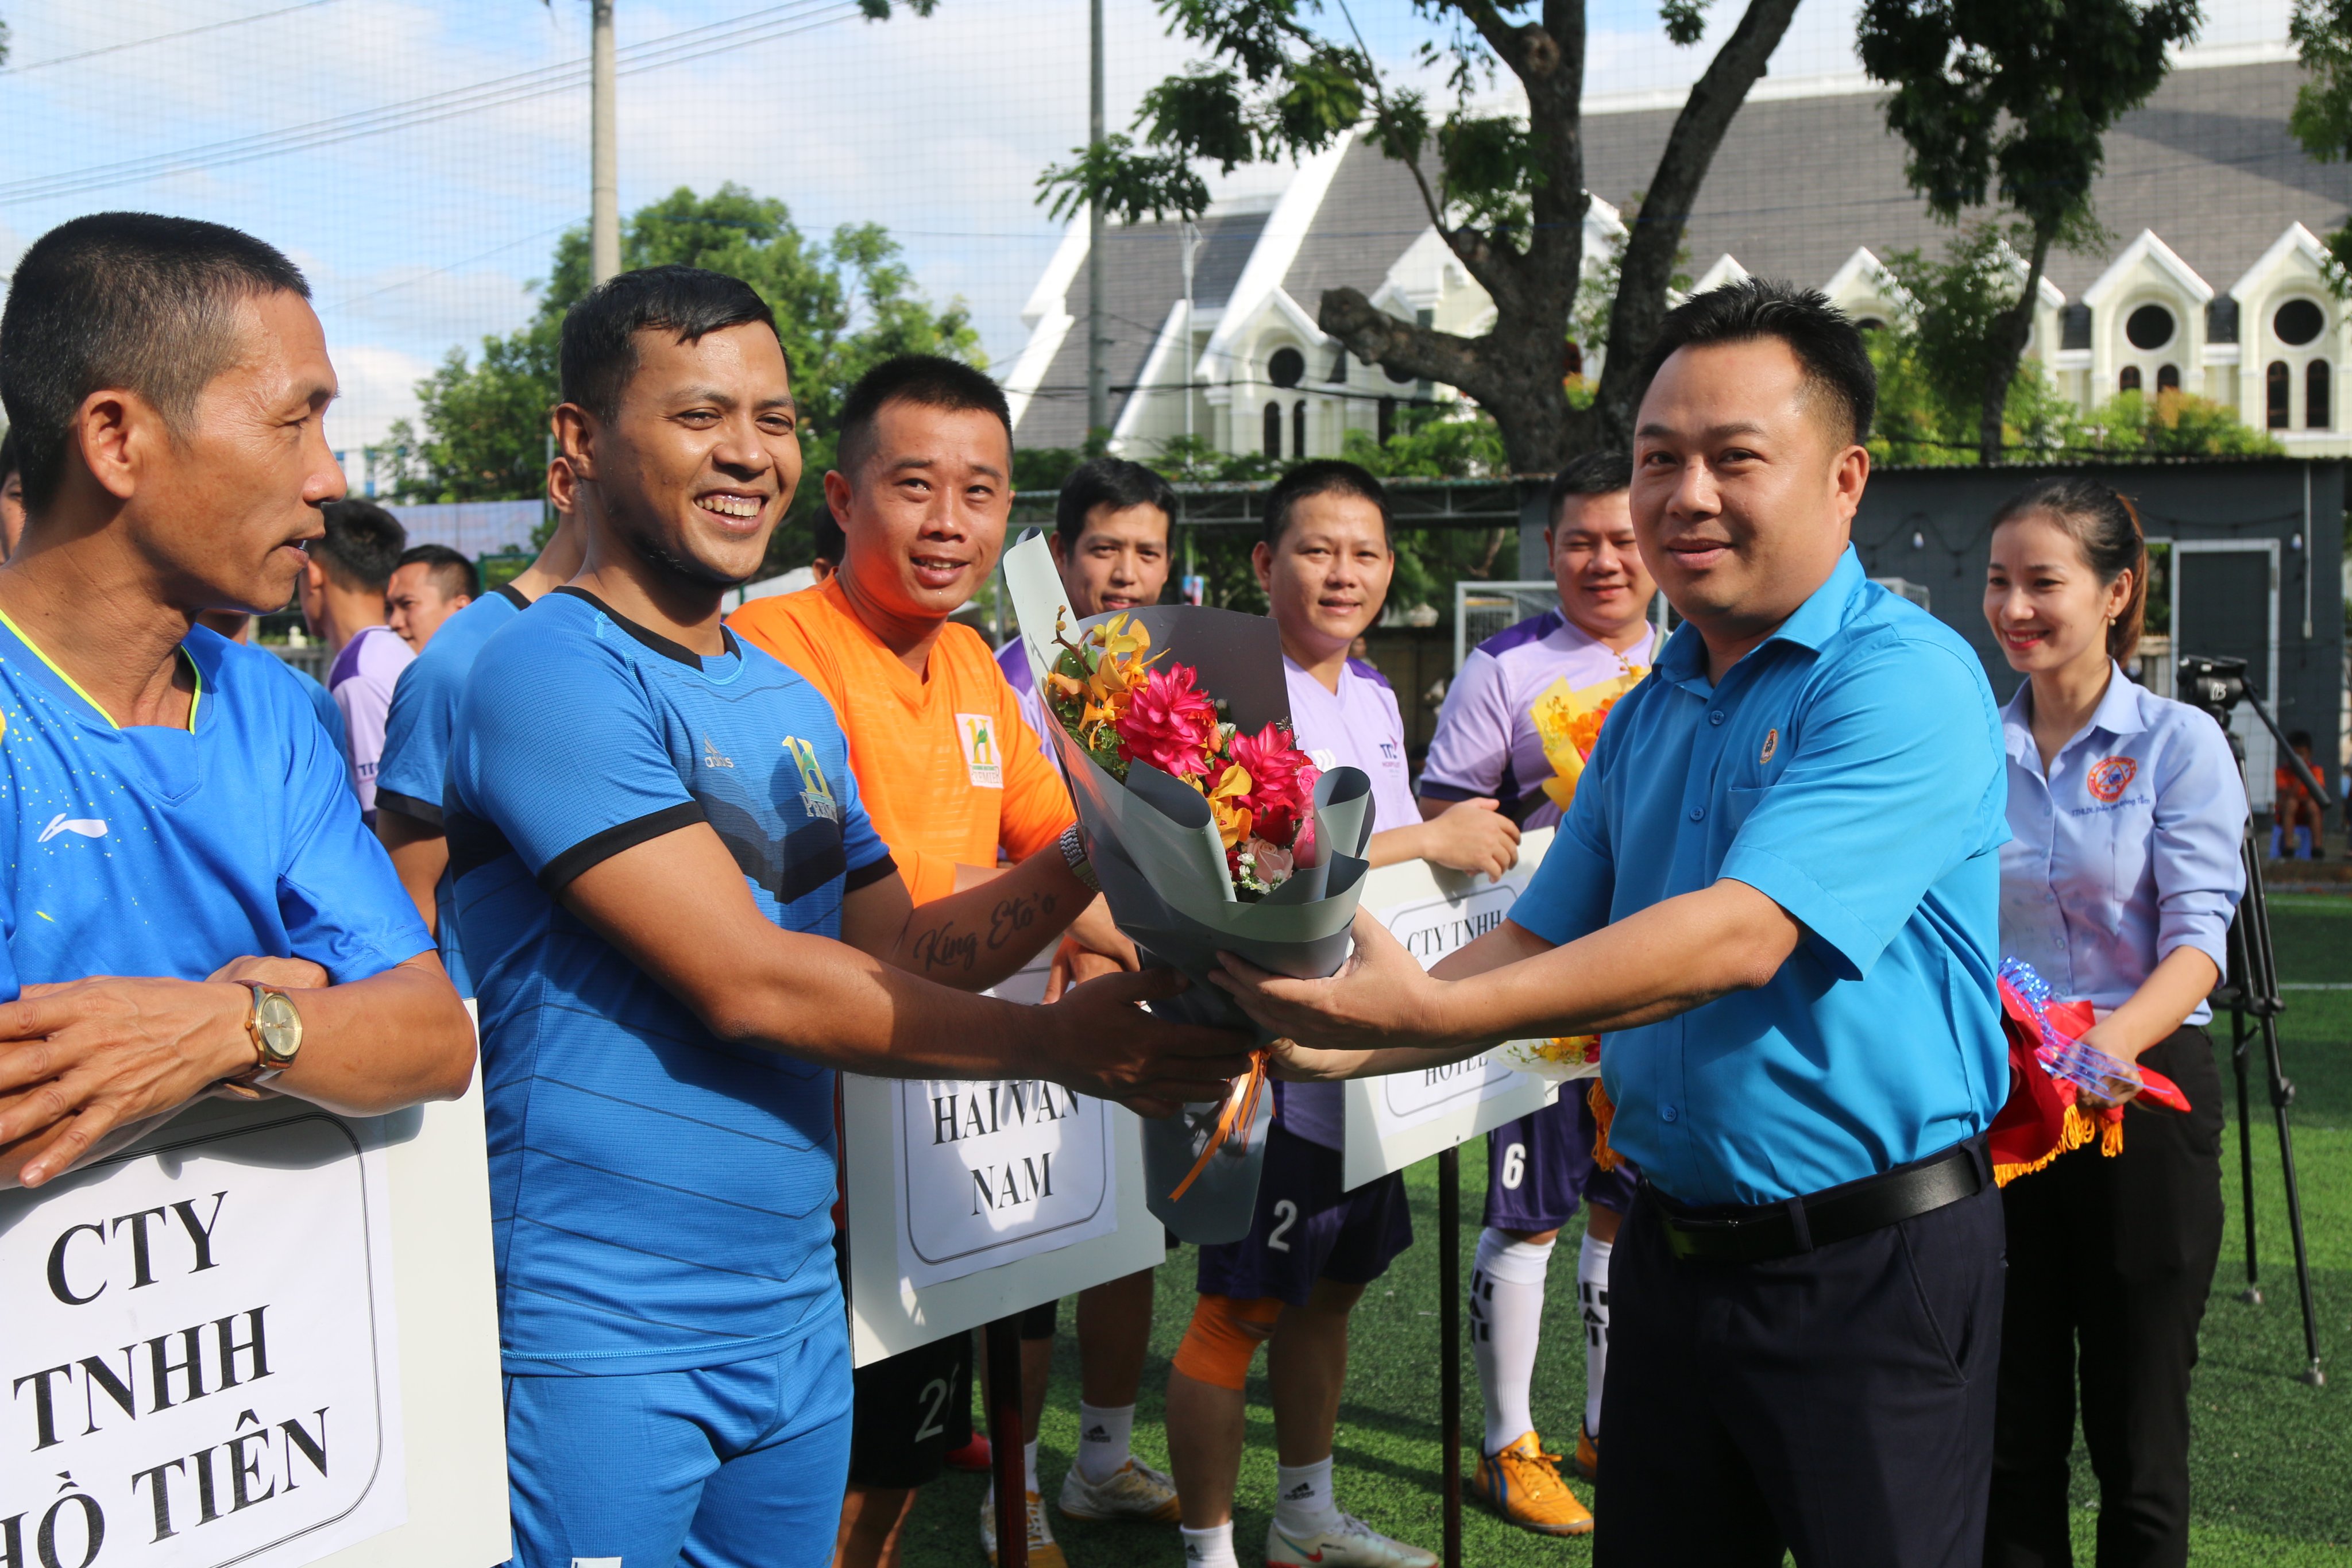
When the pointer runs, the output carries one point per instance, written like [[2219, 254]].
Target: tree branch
[[1658, 229], [1374, 335]]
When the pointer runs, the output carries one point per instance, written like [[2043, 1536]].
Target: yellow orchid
[[1233, 819]]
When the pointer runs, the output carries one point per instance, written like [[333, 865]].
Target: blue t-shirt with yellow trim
[[168, 852], [660, 1200]]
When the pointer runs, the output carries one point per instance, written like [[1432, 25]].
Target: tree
[[1506, 192], [841, 307], [2014, 98], [2322, 117]]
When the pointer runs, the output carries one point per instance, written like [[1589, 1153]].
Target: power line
[[766, 25], [347, 303], [162, 37]]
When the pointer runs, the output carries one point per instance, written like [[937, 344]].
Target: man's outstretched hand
[[1332, 1028], [1099, 1042]]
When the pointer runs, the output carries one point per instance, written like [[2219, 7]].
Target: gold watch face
[[280, 1025]]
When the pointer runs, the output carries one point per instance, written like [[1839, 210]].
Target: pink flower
[[1282, 783], [1169, 723]]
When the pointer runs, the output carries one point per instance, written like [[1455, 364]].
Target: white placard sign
[[932, 1254], [216, 1350], [1395, 1120]]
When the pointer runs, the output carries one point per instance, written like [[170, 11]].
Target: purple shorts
[[1540, 1166], [1306, 1228]]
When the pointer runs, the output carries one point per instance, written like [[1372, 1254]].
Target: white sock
[[1029, 1463], [1210, 1548], [1593, 1295], [1302, 1499], [1507, 1294], [1104, 1432]]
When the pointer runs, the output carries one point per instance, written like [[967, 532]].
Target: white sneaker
[[1043, 1552], [1134, 1491], [1349, 1543]]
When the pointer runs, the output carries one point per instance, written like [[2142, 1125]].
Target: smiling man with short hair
[[1788, 935]]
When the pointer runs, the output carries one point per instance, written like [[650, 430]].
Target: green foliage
[[1443, 442], [2322, 117], [841, 307], [2171, 425]]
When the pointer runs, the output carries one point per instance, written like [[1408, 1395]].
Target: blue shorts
[[1308, 1228], [1540, 1166], [739, 1466]]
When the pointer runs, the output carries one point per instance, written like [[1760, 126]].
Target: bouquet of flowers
[[1208, 829], [1124, 705], [2050, 1070]]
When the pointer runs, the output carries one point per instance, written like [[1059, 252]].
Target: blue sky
[[425, 229]]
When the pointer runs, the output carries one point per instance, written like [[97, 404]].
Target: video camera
[[2216, 686]]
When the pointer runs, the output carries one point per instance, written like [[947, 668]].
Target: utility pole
[[605, 149], [1097, 374]]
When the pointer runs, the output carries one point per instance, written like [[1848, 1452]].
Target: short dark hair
[[1594, 473], [2298, 738], [362, 544], [927, 380], [1325, 476], [599, 348], [123, 299], [1826, 342], [456, 576], [1113, 482]]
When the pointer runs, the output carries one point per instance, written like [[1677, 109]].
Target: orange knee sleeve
[[1222, 1337]]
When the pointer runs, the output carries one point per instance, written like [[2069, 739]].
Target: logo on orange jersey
[[981, 760], [2109, 777]]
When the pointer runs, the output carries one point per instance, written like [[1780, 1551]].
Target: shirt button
[[1699, 813], [1715, 717], [1667, 1113]]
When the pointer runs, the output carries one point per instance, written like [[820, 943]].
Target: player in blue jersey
[[189, 897], [425, 709], [680, 922]]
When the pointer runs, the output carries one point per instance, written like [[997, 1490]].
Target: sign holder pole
[[1449, 1333], [1001, 1342]]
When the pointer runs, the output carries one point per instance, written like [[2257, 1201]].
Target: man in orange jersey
[[954, 779]]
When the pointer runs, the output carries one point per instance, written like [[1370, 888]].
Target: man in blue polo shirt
[[409, 780], [189, 898], [1777, 893], [681, 923]]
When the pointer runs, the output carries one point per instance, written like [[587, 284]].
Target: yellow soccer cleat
[[1043, 1552], [1522, 1483], [1588, 1453]]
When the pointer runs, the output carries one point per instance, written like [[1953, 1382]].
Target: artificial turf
[[2272, 1459]]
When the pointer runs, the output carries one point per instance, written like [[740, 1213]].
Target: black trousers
[[1837, 1404], [2109, 1265]]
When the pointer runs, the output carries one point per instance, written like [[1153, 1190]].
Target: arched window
[[2316, 375], [2167, 379], [2129, 380], [1274, 430], [1298, 428], [1286, 368], [1870, 324], [2277, 381]]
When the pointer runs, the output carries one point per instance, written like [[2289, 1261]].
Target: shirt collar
[[2118, 713], [1812, 624]]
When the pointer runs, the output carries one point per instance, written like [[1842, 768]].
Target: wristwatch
[[276, 1030], [1073, 854]]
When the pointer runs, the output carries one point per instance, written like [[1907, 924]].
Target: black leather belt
[[1763, 1232]]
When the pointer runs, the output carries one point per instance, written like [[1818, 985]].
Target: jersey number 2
[[1286, 1214]]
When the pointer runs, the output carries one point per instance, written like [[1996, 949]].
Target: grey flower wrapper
[[1154, 847]]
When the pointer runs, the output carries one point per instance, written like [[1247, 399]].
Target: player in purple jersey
[[1517, 722], [342, 591], [1313, 1246]]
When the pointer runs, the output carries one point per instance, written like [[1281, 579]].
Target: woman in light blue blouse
[[2126, 812]]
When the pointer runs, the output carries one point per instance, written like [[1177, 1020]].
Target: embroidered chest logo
[[816, 796], [1772, 744], [982, 763], [1390, 753], [2109, 777], [710, 757]]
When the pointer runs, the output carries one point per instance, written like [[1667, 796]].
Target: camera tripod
[[2251, 989]]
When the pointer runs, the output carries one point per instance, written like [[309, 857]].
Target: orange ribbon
[[1241, 1108]]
